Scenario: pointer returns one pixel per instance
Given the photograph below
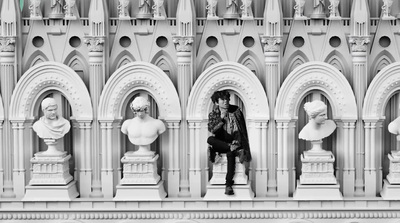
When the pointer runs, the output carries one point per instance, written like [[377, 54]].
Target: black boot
[[229, 190]]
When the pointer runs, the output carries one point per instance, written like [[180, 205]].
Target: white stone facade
[[96, 55]]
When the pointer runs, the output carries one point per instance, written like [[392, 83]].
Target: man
[[50, 125], [228, 126], [143, 129]]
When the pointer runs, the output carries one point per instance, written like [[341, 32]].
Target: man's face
[[51, 112], [140, 113], [223, 103], [321, 117]]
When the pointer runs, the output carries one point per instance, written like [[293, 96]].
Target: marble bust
[[394, 127], [51, 125], [318, 126], [143, 129]]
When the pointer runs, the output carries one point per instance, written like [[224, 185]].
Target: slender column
[[7, 83], [183, 45], [272, 84], [19, 167], [174, 157], [85, 176], [283, 175], [370, 170], [195, 159], [97, 81], [359, 45], [106, 159], [349, 164]]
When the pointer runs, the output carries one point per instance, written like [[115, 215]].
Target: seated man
[[228, 125]]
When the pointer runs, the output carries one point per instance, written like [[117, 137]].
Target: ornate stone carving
[[183, 44], [334, 10], [94, 44], [271, 43], [220, 169], [123, 12], [7, 44], [35, 11], [359, 43], [212, 9], [71, 11]]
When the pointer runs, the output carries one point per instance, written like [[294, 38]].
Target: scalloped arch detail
[[228, 75], [139, 76], [50, 76], [316, 76], [381, 89]]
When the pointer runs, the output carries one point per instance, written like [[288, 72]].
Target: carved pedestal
[[317, 180], [220, 170], [391, 186], [216, 186], [50, 178], [140, 178]]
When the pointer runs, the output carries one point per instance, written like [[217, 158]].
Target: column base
[[51, 192], [390, 191], [317, 192], [141, 192], [217, 193]]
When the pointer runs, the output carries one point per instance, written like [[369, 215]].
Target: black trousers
[[221, 146]]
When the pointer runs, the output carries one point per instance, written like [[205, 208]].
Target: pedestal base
[[317, 168], [390, 191], [141, 192], [394, 168], [217, 193], [139, 169], [317, 192], [50, 169], [51, 193], [220, 169]]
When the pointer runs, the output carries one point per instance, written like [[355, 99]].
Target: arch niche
[[130, 78], [25, 102], [385, 85], [334, 86], [238, 78]]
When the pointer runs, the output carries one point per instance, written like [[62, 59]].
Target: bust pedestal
[[391, 185], [317, 177], [140, 178], [51, 179], [216, 186]]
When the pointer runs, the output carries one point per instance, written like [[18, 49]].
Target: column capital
[[7, 43], [271, 43], [94, 43], [359, 43], [183, 43]]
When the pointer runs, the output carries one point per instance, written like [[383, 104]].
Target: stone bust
[[143, 129], [318, 126], [394, 127], [51, 125]]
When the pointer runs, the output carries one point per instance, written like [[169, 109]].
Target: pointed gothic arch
[[78, 63], [382, 60], [249, 59], [36, 58], [334, 86], [123, 57], [298, 58], [209, 59]]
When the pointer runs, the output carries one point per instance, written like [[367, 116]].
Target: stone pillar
[[8, 80], [349, 158], [272, 84], [173, 159], [107, 181], [18, 158], [183, 45], [359, 46], [282, 170], [97, 80], [195, 159], [85, 176]]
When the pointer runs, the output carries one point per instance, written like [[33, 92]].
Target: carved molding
[[382, 87], [7, 44], [183, 43], [359, 43], [271, 43], [312, 76], [50, 76], [228, 75], [139, 76], [94, 43], [200, 216]]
